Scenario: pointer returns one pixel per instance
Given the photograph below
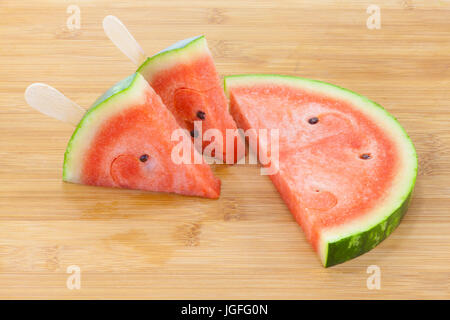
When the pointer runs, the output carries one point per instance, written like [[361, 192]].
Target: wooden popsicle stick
[[122, 38], [53, 103]]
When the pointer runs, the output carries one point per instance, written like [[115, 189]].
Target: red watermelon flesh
[[346, 167], [185, 78], [124, 141]]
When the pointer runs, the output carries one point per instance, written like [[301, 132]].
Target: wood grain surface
[[131, 244]]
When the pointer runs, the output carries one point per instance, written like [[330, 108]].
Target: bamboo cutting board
[[131, 244]]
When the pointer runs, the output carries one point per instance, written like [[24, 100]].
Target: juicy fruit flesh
[[322, 176], [192, 86], [132, 149]]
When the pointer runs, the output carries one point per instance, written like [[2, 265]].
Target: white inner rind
[[404, 180], [90, 124]]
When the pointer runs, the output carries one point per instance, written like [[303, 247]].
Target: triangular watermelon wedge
[[186, 79], [346, 167], [124, 141]]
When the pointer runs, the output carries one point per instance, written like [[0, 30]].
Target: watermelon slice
[[346, 167], [185, 78], [124, 141]]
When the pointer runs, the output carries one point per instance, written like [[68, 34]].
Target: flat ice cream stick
[[53, 103], [122, 38]]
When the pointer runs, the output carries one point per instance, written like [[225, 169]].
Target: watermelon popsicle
[[186, 79], [124, 141]]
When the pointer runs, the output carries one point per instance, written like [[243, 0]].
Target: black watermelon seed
[[194, 133], [143, 158], [201, 115], [313, 120], [365, 156]]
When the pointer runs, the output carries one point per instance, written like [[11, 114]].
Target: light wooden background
[[131, 244]]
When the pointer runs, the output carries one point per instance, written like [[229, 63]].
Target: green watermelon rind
[[178, 47], [118, 89], [360, 241]]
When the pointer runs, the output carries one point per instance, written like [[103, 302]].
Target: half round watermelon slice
[[186, 79], [124, 141], [346, 167]]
